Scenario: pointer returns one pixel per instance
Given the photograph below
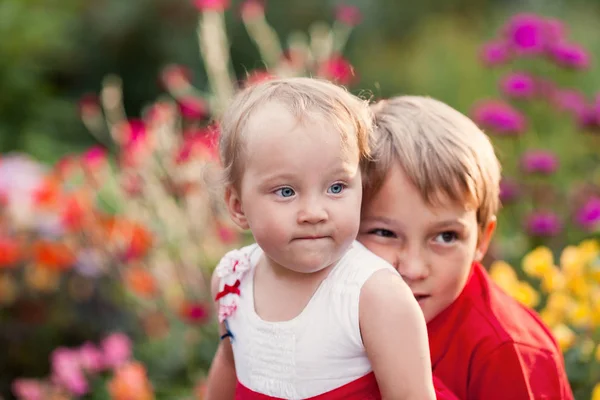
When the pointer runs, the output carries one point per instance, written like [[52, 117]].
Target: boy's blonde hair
[[303, 98], [441, 151]]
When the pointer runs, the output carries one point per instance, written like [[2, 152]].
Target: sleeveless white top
[[317, 351]]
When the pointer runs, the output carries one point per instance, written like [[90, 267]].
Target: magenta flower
[[28, 389], [554, 30], [211, 5], [543, 224], [117, 350], [349, 15], [337, 69], [499, 117], [526, 34], [518, 85], [539, 162], [495, 53], [192, 107], [91, 358], [569, 55], [95, 157], [509, 190], [588, 216], [570, 100]]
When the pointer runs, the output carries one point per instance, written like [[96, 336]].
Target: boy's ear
[[234, 206], [485, 238]]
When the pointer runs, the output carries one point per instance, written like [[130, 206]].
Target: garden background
[[109, 226]]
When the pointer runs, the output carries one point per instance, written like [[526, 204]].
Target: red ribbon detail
[[229, 289]]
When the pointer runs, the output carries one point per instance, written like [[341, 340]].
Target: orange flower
[[130, 383], [10, 252], [134, 239], [48, 194], [140, 281], [75, 208], [53, 255]]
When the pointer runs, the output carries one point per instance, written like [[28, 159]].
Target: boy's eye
[[336, 188], [446, 237], [383, 233], [285, 192]]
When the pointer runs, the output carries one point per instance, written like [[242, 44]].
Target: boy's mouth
[[421, 297]]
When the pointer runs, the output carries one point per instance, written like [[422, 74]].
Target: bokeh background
[[109, 227]]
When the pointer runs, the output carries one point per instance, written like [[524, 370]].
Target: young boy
[[429, 209]]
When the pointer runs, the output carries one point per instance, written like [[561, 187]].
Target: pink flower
[[176, 77], [194, 313], [588, 216], [252, 9], [495, 53], [498, 116], [116, 349], [201, 144], [192, 107], [554, 30], [543, 224], [91, 358], [94, 158], [211, 5], [518, 85], [349, 15], [67, 372], [28, 389], [509, 190], [569, 55], [337, 69], [570, 100], [539, 162], [526, 34]]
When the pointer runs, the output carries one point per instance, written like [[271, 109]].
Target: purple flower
[[543, 223], [570, 100], [526, 34], [588, 216], [569, 55], [499, 117], [539, 161], [495, 53], [509, 190], [518, 85]]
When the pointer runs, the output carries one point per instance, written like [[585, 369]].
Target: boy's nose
[[412, 267]]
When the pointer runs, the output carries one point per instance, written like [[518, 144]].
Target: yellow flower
[[596, 392], [572, 262], [538, 262], [597, 354], [564, 336], [550, 317], [589, 249], [579, 286], [553, 280], [504, 275], [581, 315], [586, 349], [559, 302], [8, 289], [41, 278], [526, 295]]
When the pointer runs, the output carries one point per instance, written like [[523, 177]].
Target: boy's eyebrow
[[379, 218], [450, 223]]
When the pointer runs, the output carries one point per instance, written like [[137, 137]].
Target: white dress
[[317, 351]]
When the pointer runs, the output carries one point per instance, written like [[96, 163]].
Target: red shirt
[[486, 345]]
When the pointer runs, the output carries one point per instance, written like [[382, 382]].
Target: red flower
[[94, 158], [53, 255], [10, 252], [211, 5], [194, 313], [200, 144], [337, 69], [192, 107]]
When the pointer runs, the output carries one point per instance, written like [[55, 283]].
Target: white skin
[[431, 246], [300, 195]]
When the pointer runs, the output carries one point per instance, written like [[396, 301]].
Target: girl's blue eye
[[285, 192], [336, 188]]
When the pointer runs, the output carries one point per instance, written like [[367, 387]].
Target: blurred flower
[[66, 371], [518, 85], [116, 349], [349, 15], [564, 335], [194, 313], [176, 78], [198, 144], [28, 389], [588, 216], [94, 158], [89, 262], [580, 315], [570, 100], [91, 358], [41, 278], [554, 30], [55, 256], [526, 33], [211, 5], [140, 281], [10, 252], [252, 9], [130, 239], [89, 106], [226, 233], [495, 53], [504, 275], [553, 280], [192, 107], [8, 289], [337, 69], [596, 392], [509, 190], [257, 76], [543, 223], [538, 262], [499, 117], [130, 382], [525, 294], [569, 55], [539, 162], [572, 262]]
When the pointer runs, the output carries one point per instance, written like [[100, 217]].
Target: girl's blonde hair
[[441, 151], [302, 97]]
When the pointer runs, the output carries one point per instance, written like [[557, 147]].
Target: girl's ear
[[485, 238], [234, 206]]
